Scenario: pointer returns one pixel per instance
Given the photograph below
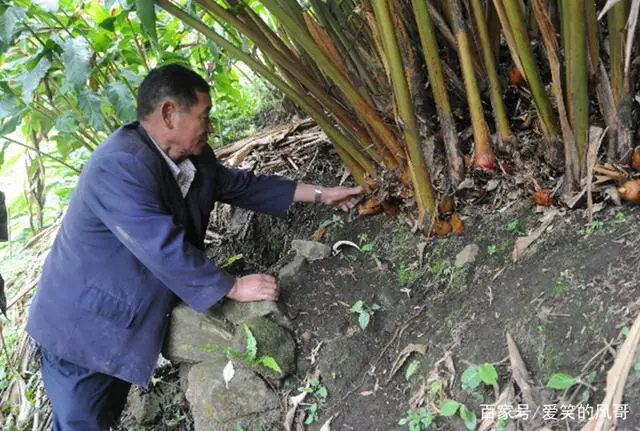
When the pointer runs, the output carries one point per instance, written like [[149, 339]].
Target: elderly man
[[132, 244]]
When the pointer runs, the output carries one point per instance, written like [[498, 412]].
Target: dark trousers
[[82, 399]]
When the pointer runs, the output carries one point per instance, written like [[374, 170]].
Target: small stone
[[467, 255], [311, 250]]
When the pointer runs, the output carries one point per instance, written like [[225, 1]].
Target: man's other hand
[[344, 197], [254, 287]]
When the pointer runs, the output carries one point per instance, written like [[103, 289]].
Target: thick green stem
[[617, 19], [578, 88], [500, 113], [404, 104], [431, 53], [529, 64], [363, 164], [484, 157]]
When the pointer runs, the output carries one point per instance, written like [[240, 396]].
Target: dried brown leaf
[[606, 418], [523, 243], [521, 375]]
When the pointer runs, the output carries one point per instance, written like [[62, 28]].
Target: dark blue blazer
[[129, 246]]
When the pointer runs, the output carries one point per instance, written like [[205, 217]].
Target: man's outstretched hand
[[254, 287], [344, 197]]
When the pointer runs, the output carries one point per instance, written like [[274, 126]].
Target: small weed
[[366, 247], [406, 275], [492, 249], [418, 419], [594, 226], [336, 220], [231, 260], [619, 218], [249, 356], [319, 391], [364, 312], [559, 288], [514, 226], [411, 369]]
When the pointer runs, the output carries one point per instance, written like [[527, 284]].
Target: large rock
[[239, 312], [247, 403], [311, 250], [290, 272], [272, 340], [197, 337]]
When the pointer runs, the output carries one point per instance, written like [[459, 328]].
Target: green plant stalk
[[578, 88], [616, 20], [493, 23], [364, 110], [299, 71], [521, 38], [548, 33], [439, 89], [593, 36], [404, 104], [363, 163], [484, 156], [502, 123], [346, 46], [508, 34]]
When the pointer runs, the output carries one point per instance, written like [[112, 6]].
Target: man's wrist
[[317, 196]]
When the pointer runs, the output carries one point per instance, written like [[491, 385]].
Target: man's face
[[192, 126]]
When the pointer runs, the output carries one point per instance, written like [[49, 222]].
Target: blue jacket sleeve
[[270, 194], [123, 193]]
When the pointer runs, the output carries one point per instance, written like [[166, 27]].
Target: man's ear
[[168, 111]]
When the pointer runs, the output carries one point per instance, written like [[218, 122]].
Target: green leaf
[[364, 320], [322, 392], [90, 105], [67, 122], [147, 14], [357, 307], [9, 105], [561, 381], [468, 417], [134, 78], [31, 80], [10, 125], [471, 378], [122, 100], [271, 363], [411, 369], [9, 23], [488, 374], [109, 23], [448, 407], [75, 57], [252, 345]]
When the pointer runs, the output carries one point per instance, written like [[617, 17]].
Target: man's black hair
[[172, 81]]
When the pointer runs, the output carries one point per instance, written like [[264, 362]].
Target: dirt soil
[[567, 303]]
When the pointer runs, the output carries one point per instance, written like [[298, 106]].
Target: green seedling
[[514, 226], [492, 249], [364, 312], [406, 275], [319, 391], [418, 419], [249, 356]]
